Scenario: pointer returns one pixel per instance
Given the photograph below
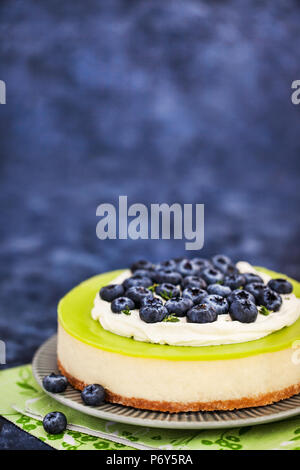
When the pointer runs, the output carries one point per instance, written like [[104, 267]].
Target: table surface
[[186, 102]]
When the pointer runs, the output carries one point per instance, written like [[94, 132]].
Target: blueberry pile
[[198, 289]]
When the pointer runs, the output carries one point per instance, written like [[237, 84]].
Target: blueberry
[[93, 395], [151, 301], [195, 294], [142, 273], [219, 289], [151, 273], [219, 303], [243, 311], [169, 264], [232, 269], [202, 313], [251, 277], [168, 276], [187, 268], [141, 264], [193, 281], [137, 294], [201, 264], [281, 286], [137, 281], [153, 314], [270, 299], [122, 303], [111, 292], [55, 383], [221, 262], [178, 260], [241, 294], [212, 275], [166, 290], [255, 288], [55, 422], [179, 306], [234, 281]]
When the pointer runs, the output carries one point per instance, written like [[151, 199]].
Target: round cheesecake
[[178, 377]]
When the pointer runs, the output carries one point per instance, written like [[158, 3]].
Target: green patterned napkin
[[25, 404]]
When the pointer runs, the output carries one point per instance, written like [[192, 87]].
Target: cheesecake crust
[[177, 407]]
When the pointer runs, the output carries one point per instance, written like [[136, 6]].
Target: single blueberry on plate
[[201, 313], [234, 281], [141, 264], [241, 294], [195, 294], [111, 292], [122, 303], [281, 286], [167, 275], [270, 299], [219, 289], [55, 383], [251, 277], [219, 303], [55, 422], [255, 288], [243, 311], [179, 306], [221, 262], [153, 313], [187, 268], [137, 281], [137, 294], [93, 395], [193, 281], [167, 291], [212, 275]]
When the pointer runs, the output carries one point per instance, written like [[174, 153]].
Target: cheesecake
[[183, 335]]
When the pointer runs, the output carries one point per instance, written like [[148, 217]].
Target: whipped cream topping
[[182, 333]]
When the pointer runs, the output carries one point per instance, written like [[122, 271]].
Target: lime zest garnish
[[263, 310], [165, 295], [171, 318], [152, 288], [126, 311]]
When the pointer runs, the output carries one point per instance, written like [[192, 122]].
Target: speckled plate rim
[[45, 362]]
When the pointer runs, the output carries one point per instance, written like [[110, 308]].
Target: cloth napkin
[[24, 403]]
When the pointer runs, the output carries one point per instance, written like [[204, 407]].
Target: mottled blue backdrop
[[177, 101]]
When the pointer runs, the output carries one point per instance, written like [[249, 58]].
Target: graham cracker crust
[[177, 407]]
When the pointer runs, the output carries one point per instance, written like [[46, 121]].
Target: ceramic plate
[[44, 363]]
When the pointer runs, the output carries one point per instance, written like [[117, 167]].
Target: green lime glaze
[[74, 313]]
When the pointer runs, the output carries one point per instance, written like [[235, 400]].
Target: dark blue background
[[183, 102]]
